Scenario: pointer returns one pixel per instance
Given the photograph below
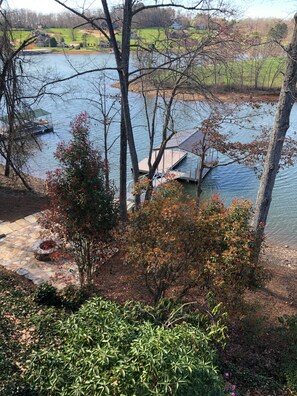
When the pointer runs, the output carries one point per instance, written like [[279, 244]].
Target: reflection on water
[[230, 181]]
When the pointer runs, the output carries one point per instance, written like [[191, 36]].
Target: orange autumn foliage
[[179, 246]]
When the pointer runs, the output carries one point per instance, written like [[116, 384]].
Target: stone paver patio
[[16, 254]]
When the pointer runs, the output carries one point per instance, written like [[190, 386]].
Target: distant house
[[42, 38], [73, 45], [104, 44], [63, 45], [176, 26]]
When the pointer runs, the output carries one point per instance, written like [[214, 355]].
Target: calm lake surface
[[230, 181]]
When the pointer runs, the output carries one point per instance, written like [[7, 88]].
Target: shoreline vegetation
[[227, 96]]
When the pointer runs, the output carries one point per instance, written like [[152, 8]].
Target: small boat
[[41, 122]]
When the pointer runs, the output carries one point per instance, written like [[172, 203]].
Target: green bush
[[289, 358], [101, 350], [70, 298], [47, 294], [74, 296], [15, 386]]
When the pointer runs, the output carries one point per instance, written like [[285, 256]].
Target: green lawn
[[258, 74], [69, 35], [74, 36], [251, 74]]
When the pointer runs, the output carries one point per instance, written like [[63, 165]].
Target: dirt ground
[[117, 281], [18, 204], [16, 201]]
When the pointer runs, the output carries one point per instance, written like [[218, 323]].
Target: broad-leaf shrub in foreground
[[102, 350], [179, 246], [289, 360], [82, 209]]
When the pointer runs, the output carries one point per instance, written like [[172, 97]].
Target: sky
[[252, 8]]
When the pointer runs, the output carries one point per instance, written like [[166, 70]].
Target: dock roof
[[185, 140], [40, 113], [32, 113]]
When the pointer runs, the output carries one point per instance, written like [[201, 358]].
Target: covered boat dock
[[183, 144], [31, 123]]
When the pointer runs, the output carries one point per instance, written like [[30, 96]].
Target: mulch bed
[[18, 204], [16, 201]]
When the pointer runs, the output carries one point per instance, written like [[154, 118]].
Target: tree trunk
[[123, 173], [8, 161], [202, 166], [280, 127], [106, 169], [200, 178], [122, 58], [19, 174]]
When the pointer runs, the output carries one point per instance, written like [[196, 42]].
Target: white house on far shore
[[176, 26]]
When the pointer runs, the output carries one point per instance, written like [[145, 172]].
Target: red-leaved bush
[[82, 210]]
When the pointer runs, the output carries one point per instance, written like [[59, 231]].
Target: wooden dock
[[36, 122], [188, 176], [170, 159]]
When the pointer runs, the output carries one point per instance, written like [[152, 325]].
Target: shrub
[[47, 294], [82, 211], [289, 360], [101, 350], [179, 246], [73, 297]]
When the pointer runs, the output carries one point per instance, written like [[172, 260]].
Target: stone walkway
[[16, 254]]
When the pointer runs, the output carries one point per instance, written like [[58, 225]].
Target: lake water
[[230, 181]]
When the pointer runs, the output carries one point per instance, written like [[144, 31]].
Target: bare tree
[[251, 153], [108, 26], [13, 143], [281, 124], [108, 106]]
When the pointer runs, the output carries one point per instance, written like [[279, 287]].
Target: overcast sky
[[252, 8]]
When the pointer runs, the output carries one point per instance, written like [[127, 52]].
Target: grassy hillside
[[254, 73], [263, 74]]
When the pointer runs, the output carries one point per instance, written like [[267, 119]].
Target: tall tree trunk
[[122, 58], [8, 159], [123, 173], [11, 126], [106, 170], [280, 127], [200, 177]]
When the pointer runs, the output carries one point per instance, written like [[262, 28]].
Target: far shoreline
[[223, 96]]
